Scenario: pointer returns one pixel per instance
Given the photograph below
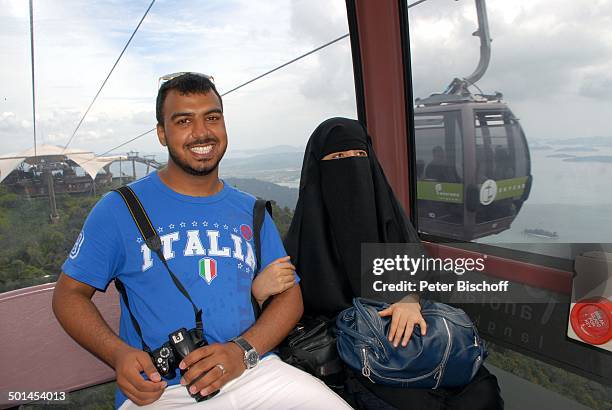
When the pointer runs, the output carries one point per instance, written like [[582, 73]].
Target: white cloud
[[9, 122], [235, 41], [545, 53]]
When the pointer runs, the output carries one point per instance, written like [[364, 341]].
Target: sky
[[234, 41], [552, 60]]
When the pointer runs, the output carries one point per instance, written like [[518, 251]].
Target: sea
[[571, 195]]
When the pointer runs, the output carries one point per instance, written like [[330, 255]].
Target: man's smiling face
[[194, 131]]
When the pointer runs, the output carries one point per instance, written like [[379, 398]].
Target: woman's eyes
[[346, 154]]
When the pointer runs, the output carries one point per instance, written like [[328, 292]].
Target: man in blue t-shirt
[[206, 232]]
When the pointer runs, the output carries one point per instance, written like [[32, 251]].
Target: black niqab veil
[[342, 203]]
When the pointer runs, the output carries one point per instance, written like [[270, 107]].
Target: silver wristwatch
[[251, 357]]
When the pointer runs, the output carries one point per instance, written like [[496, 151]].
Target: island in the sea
[[591, 158], [540, 233]]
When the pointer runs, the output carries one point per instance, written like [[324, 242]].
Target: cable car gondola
[[473, 165]]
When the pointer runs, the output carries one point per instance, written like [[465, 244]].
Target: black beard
[[192, 171]]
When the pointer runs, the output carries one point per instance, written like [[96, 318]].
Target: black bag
[[311, 347]]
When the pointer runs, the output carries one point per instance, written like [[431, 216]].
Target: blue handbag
[[449, 355]]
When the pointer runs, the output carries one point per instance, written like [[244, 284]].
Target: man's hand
[[405, 316], [81, 319], [128, 363], [277, 277], [210, 367]]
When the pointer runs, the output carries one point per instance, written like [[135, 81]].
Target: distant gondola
[[473, 164]]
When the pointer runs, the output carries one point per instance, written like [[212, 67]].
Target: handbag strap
[[259, 209], [261, 205]]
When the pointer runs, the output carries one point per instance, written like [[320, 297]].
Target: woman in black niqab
[[342, 204]]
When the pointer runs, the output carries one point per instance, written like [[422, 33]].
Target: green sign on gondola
[[440, 191], [453, 192]]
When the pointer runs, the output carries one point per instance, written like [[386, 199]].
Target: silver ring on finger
[[220, 366]]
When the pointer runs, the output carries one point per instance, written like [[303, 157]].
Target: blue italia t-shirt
[[208, 243]]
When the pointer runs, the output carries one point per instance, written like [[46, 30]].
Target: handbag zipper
[[414, 379], [365, 370], [363, 312], [440, 374], [438, 371]]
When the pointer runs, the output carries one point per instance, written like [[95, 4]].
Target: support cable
[[33, 83], [416, 3], [242, 85], [108, 76], [287, 63], [257, 78], [127, 142]]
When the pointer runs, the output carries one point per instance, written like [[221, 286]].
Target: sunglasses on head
[[165, 78]]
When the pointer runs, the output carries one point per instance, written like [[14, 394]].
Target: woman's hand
[[405, 315], [276, 278]]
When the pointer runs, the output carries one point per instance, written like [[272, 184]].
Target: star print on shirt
[[171, 226], [240, 266], [194, 223], [235, 230], [216, 225], [160, 229], [205, 223], [139, 240], [183, 224], [225, 227]]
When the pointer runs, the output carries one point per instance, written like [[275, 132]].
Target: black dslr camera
[[167, 357]]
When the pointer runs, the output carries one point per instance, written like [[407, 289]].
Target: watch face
[[251, 359]]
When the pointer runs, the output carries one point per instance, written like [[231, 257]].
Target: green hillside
[[284, 196], [570, 385], [32, 250]]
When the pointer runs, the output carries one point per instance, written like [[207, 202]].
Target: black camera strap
[[153, 242], [121, 288]]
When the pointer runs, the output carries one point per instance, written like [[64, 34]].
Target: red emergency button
[[591, 320]]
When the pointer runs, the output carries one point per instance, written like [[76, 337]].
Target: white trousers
[[272, 384]]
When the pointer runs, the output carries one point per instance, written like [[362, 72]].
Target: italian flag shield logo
[[208, 269]]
